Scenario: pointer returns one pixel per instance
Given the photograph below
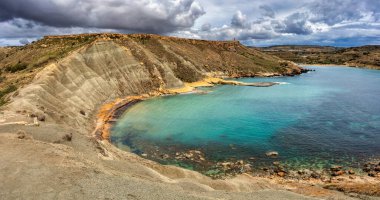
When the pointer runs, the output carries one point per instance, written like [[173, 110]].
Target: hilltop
[[364, 56]]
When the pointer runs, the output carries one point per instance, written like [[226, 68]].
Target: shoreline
[[341, 65], [333, 178], [106, 114]]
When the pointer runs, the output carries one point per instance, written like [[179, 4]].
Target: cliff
[[84, 71]]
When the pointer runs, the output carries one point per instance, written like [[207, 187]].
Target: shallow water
[[330, 116]]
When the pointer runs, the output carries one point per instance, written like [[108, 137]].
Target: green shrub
[[9, 89], [17, 67]]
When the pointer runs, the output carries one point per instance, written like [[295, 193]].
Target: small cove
[[315, 120]]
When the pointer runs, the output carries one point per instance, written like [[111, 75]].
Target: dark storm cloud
[[267, 11], [152, 16], [295, 23], [264, 22], [238, 19], [24, 41], [302, 18], [334, 11], [206, 27]]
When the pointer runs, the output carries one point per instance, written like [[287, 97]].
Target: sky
[[253, 22]]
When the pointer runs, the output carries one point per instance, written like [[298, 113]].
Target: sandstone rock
[[68, 137], [272, 154], [240, 162], [336, 168], [337, 173], [41, 117], [197, 152], [247, 167], [21, 134], [367, 169], [372, 174], [252, 158], [315, 175], [281, 174]]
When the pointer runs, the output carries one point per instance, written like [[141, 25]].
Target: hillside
[[166, 60], [365, 56]]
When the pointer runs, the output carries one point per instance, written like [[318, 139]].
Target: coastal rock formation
[[115, 65]]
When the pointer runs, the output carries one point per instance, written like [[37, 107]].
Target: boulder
[[315, 175], [41, 117], [337, 173], [272, 154], [68, 137], [247, 167], [276, 163], [336, 168], [372, 174], [281, 174]]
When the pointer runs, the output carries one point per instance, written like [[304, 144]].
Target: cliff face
[[84, 80], [71, 89]]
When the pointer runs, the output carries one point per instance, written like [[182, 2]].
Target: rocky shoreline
[[231, 168], [198, 160]]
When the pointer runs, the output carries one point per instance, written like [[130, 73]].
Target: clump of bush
[[9, 89], [17, 67]]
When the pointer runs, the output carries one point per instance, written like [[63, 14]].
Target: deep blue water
[[330, 116]]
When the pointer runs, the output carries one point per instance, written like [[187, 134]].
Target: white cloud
[[258, 22]]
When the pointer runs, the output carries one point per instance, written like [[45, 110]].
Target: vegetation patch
[[4, 92], [17, 67]]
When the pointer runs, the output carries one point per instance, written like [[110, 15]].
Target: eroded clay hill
[[74, 75]]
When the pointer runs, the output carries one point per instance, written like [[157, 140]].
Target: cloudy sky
[[254, 22]]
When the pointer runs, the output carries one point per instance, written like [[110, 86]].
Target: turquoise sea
[[329, 116]]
